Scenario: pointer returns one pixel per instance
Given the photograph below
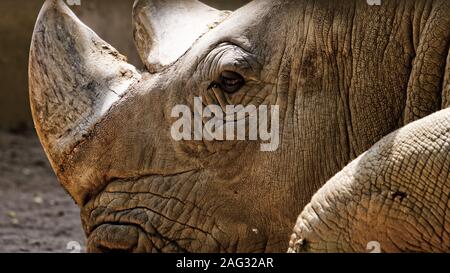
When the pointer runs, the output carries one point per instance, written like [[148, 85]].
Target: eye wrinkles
[[230, 75], [231, 58]]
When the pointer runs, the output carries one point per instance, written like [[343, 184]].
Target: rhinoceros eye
[[229, 82]]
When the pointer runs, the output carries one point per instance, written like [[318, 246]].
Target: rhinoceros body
[[364, 140]]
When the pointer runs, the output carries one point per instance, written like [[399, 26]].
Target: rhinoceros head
[[106, 128]]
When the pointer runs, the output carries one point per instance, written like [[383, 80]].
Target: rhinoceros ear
[[165, 29], [74, 78]]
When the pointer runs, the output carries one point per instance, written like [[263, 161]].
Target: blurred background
[[36, 215]]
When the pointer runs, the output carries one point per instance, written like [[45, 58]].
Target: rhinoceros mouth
[[129, 215], [126, 237], [114, 237]]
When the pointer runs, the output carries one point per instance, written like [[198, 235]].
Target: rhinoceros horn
[[74, 78], [165, 29]]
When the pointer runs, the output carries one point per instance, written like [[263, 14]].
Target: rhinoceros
[[363, 157]]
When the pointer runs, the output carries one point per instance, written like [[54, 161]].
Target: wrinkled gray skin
[[346, 75]]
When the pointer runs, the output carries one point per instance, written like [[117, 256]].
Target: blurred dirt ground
[[36, 214]]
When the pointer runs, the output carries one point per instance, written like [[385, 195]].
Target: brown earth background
[[36, 215]]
